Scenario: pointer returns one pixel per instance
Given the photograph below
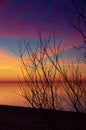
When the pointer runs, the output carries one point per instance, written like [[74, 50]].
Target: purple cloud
[[19, 18]]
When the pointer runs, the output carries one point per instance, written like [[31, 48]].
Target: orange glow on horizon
[[10, 67]]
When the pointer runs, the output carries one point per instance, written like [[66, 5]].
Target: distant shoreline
[[59, 81]]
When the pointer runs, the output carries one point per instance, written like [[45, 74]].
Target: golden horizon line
[[23, 81]]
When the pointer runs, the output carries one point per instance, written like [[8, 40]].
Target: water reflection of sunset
[[10, 95]]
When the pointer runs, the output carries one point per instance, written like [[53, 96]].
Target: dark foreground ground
[[20, 118]]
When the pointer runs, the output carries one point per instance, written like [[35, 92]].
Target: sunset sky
[[20, 19]]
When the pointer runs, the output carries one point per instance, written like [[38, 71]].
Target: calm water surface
[[10, 95]]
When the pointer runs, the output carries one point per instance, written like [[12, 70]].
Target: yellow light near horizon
[[10, 67]]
